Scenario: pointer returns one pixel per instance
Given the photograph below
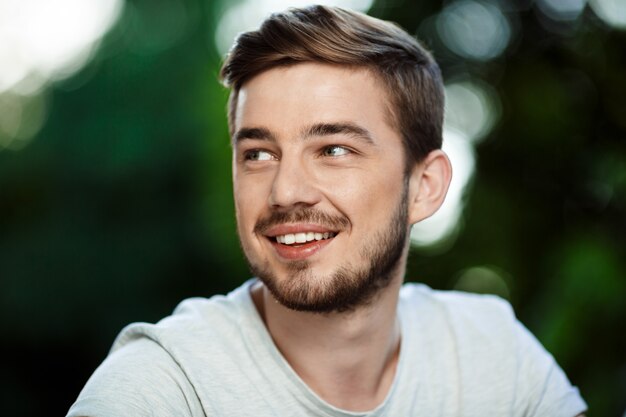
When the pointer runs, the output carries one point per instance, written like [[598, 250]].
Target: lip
[[299, 251]]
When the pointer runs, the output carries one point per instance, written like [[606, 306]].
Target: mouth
[[297, 239], [295, 242]]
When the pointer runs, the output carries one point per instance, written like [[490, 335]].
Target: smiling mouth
[[296, 239]]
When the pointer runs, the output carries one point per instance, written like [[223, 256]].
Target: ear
[[428, 185]]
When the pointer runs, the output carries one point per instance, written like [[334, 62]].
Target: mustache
[[302, 215]]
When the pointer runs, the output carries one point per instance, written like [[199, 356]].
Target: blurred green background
[[115, 193]]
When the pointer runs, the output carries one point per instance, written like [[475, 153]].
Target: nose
[[294, 184]]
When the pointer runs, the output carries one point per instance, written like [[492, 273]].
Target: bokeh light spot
[[484, 280], [562, 9], [475, 30], [42, 42], [613, 12], [472, 107], [52, 39], [21, 118]]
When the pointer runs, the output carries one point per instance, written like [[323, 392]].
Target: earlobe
[[428, 185]]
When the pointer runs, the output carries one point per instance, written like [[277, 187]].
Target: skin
[[347, 357]]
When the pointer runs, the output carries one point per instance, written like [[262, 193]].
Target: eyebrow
[[259, 133], [317, 129], [344, 128]]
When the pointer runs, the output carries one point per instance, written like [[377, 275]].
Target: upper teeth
[[291, 238]]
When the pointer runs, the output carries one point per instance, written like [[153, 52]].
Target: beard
[[349, 286]]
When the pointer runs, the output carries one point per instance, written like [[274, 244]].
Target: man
[[336, 125]]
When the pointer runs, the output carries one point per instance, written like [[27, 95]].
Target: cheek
[[250, 199], [363, 198], [367, 198], [365, 185]]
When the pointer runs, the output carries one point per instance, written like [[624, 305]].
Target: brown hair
[[337, 36]]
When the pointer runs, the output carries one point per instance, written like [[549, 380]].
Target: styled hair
[[332, 35]]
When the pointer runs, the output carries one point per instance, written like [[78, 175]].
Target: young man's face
[[319, 185]]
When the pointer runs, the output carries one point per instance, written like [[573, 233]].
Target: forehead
[[286, 98]]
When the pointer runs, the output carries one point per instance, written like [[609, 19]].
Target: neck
[[348, 359]]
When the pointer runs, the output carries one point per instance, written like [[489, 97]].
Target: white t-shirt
[[460, 355]]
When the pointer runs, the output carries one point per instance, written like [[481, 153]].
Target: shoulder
[[495, 356], [206, 320], [477, 332], [154, 369], [140, 379]]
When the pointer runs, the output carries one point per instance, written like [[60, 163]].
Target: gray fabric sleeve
[[543, 384], [139, 379]]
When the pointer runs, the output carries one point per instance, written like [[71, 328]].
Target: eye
[[258, 155], [335, 150]]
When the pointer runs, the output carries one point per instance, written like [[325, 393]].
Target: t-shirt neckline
[[258, 337]]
